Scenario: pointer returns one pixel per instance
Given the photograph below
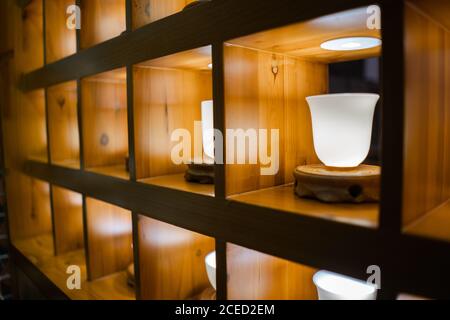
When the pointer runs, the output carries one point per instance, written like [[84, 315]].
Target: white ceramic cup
[[334, 286], [342, 127], [210, 262]]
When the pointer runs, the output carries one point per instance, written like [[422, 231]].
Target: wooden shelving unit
[[94, 117]]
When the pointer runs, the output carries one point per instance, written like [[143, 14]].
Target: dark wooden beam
[[312, 241], [216, 21]]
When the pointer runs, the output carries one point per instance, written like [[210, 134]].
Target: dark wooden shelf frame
[[315, 242]]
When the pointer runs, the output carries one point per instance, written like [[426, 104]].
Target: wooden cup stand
[[200, 173], [335, 185]]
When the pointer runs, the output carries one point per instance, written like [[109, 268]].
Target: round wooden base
[[200, 173], [334, 185]]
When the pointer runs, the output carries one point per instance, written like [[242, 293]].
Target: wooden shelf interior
[[109, 237], [101, 20], [105, 124], [172, 261], [268, 76], [30, 46], [254, 275], [32, 212], [303, 40], [60, 40], [64, 137], [67, 220], [32, 139], [148, 11], [39, 250], [427, 121], [168, 92]]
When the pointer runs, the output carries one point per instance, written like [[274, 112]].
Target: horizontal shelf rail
[[213, 22], [316, 242]]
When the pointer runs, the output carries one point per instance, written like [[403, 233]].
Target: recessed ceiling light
[[351, 43]]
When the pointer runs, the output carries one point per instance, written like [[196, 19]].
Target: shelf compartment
[[426, 173], [63, 125], [168, 93], [268, 76], [105, 124], [109, 230], [29, 53], [39, 251], [101, 20], [148, 11], [67, 220], [172, 262], [33, 136], [60, 40], [254, 275], [30, 210]]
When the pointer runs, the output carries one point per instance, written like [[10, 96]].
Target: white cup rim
[[344, 95]]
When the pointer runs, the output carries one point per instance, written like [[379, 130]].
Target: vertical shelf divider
[[390, 224], [219, 170], [219, 114], [221, 270], [131, 154]]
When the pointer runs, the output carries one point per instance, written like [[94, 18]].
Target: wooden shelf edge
[[223, 21]]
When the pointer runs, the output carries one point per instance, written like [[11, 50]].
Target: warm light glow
[[210, 66], [333, 286], [351, 43], [210, 262], [342, 127], [208, 130]]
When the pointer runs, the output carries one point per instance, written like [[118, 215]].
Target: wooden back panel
[[60, 40], [147, 11], [165, 100], [268, 91], [172, 261], [256, 276], [33, 129], [68, 220], [427, 115], [105, 133], [29, 42], [110, 241], [101, 21], [63, 124], [28, 206]]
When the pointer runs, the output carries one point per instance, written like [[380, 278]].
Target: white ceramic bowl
[[342, 127], [333, 286], [210, 262]]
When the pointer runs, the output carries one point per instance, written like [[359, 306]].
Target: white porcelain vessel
[[208, 130], [342, 127], [210, 262], [334, 286]]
